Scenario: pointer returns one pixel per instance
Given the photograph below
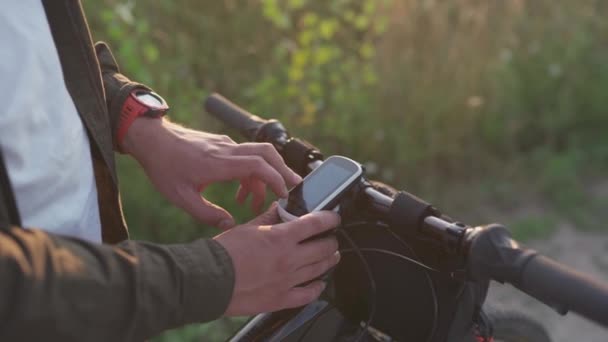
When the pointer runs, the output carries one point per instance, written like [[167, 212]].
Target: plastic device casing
[[331, 201]]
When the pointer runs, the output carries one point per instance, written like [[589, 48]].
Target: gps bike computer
[[322, 189]]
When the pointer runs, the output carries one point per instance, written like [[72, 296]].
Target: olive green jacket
[[59, 288]]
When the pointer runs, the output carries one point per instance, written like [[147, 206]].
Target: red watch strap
[[131, 110]]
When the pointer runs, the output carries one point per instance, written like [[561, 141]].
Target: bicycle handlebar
[[565, 289], [234, 116], [486, 252], [493, 254]]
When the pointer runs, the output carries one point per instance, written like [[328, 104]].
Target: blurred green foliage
[[459, 101]]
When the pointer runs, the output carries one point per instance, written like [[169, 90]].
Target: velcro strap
[[408, 212]]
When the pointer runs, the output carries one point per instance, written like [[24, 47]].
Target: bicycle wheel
[[513, 326]]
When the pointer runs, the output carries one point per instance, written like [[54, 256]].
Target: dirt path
[[588, 253]]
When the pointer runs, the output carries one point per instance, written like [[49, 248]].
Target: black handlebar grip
[[565, 289], [492, 254], [234, 116]]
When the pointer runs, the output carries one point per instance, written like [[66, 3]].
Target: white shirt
[[45, 146]]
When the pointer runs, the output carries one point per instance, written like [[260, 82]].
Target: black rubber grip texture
[[297, 155], [234, 116], [408, 212], [565, 289]]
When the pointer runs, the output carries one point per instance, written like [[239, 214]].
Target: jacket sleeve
[[59, 288], [116, 85]]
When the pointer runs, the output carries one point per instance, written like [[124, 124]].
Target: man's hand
[[181, 163], [270, 261]]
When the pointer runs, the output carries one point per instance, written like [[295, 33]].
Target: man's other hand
[[182, 162], [270, 261]]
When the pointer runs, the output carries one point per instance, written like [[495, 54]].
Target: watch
[[140, 102]]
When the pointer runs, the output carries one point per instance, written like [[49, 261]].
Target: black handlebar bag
[[411, 302]]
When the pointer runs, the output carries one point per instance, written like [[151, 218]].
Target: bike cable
[[372, 284], [428, 278], [391, 253], [415, 261], [368, 270], [359, 251]]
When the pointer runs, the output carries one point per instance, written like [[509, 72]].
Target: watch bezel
[[153, 111]]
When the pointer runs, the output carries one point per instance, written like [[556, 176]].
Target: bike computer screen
[[322, 187]]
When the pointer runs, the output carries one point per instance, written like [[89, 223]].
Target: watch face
[[150, 100]]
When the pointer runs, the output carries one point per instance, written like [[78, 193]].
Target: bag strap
[[8, 205]]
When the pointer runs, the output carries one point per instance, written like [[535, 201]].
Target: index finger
[[270, 154], [257, 167], [310, 225]]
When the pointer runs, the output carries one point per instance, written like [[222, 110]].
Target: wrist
[[142, 135], [140, 103]]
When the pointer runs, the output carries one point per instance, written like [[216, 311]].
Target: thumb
[[270, 216], [207, 212]]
